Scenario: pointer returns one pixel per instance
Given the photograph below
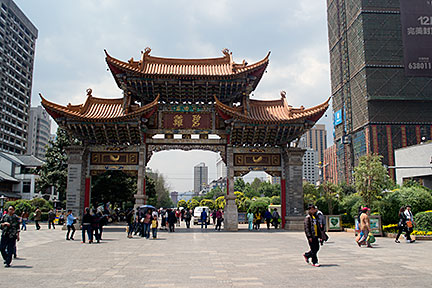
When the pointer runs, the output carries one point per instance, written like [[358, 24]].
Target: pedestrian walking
[[213, 215], [275, 217], [312, 231], [188, 218], [95, 225], [219, 219], [130, 221], [250, 218], [204, 218], [268, 218], [322, 223], [401, 223], [86, 226], [178, 215], [164, 219], [364, 226], [409, 223], [146, 224], [51, 218], [10, 225], [24, 219], [171, 220], [37, 217], [257, 220], [70, 221], [154, 226]]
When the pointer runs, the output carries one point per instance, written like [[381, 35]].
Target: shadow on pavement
[[329, 265], [21, 266]]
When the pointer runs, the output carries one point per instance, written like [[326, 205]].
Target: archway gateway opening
[[178, 98]]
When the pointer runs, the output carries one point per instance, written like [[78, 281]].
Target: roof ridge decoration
[[273, 111], [99, 109], [152, 65]]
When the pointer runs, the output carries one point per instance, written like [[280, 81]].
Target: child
[[154, 225]]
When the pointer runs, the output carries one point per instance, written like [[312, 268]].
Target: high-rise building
[[17, 50], [310, 168], [39, 132], [316, 138], [377, 107], [329, 166], [200, 177], [221, 169]]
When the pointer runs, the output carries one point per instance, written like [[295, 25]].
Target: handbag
[[409, 224], [371, 238]]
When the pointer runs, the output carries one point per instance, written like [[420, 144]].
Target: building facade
[[310, 166], [17, 50], [17, 179], [316, 138], [200, 177], [377, 108], [330, 165], [414, 163], [39, 132]]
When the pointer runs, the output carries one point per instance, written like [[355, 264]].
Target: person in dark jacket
[[313, 233], [95, 222], [268, 218], [172, 219], [188, 217], [86, 226], [51, 218], [130, 219], [401, 224]]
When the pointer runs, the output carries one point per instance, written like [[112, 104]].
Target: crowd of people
[[144, 221], [270, 217]]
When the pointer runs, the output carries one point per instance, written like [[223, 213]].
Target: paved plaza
[[192, 258]]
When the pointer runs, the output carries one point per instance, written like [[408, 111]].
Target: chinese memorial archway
[[166, 96]]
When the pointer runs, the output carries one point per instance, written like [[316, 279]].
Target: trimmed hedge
[[423, 221]]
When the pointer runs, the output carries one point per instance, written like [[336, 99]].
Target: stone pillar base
[[294, 223], [139, 200], [230, 214]]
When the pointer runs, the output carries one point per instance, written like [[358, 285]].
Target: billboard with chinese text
[[416, 18]]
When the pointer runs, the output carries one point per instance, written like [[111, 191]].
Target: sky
[[73, 35]]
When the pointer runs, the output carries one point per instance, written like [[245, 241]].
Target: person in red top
[[178, 214], [219, 219]]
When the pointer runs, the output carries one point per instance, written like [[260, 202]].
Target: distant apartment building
[[310, 168], [200, 177], [17, 50], [221, 170], [39, 132], [330, 165], [316, 138], [275, 180], [174, 197]]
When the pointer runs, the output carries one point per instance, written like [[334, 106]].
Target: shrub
[[275, 200], [419, 198], [209, 203], [423, 221], [392, 228], [389, 207], [349, 205], [20, 206], [259, 205]]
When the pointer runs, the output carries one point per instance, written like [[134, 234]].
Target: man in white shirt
[[409, 224]]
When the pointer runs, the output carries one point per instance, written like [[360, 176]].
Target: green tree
[[239, 185], [330, 194], [115, 187], [255, 185], [161, 195], [208, 202], [268, 190], [220, 202], [310, 194], [249, 192], [182, 203], [214, 193], [192, 203], [370, 178], [54, 172], [275, 200]]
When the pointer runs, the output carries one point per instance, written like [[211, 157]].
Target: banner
[[416, 18]]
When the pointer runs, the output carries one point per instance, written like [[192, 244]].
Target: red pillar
[[87, 192], [283, 202], [144, 190]]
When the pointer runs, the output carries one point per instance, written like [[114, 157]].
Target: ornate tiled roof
[[272, 111], [220, 67], [98, 109]]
